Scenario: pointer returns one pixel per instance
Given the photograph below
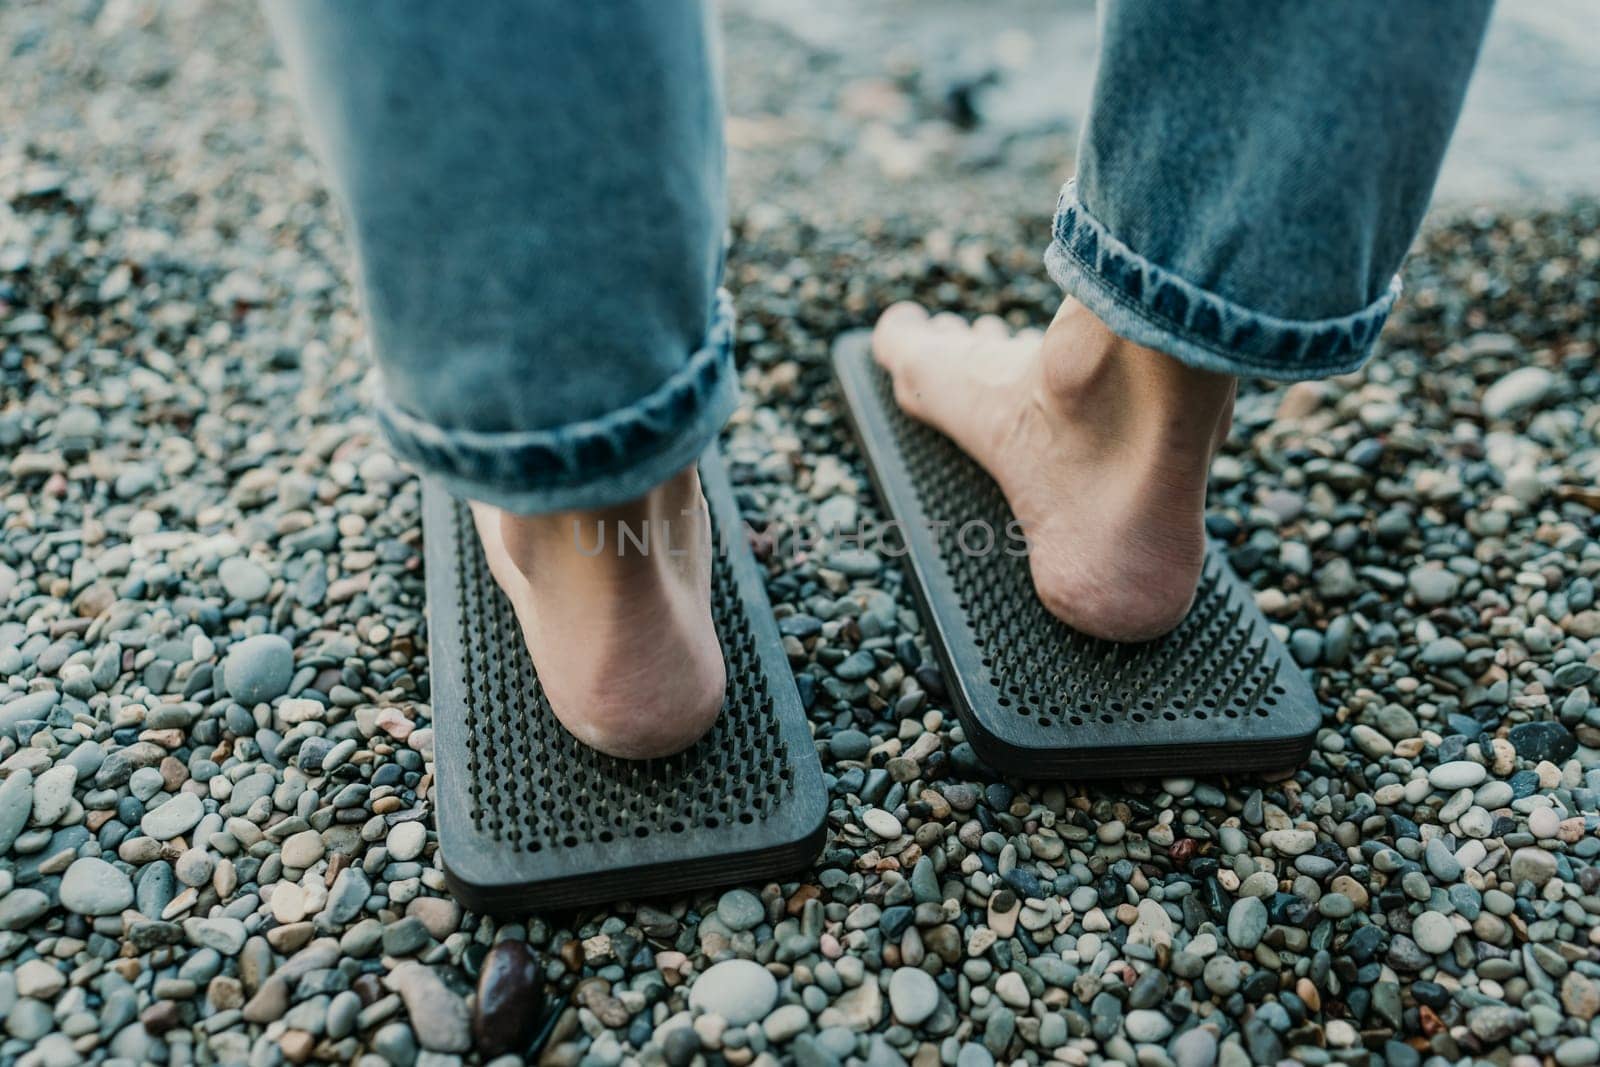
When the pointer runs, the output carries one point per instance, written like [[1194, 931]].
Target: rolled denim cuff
[[592, 463], [1151, 306]]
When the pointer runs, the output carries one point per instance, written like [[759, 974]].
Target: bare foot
[[1100, 446], [621, 635]]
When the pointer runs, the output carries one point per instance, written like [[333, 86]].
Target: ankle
[[1141, 398], [636, 535]]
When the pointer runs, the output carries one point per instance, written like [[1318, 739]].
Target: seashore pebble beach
[[216, 844]]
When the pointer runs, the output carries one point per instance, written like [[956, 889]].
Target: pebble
[[1433, 932], [52, 793], [739, 991], [439, 1016], [243, 579], [258, 669], [510, 992], [1460, 774], [303, 849], [1146, 1025], [785, 1022], [1433, 586], [1542, 741], [1532, 865], [1195, 1048], [740, 909], [215, 704], [882, 823], [176, 816], [1247, 922], [91, 886], [850, 745], [406, 840], [16, 805], [1578, 1052], [913, 995], [1518, 391]]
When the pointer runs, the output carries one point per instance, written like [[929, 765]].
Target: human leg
[[1249, 180], [535, 195]]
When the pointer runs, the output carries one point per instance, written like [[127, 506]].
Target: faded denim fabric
[[1252, 173], [535, 194]]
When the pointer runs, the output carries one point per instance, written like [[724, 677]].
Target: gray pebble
[[92, 886], [258, 669], [738, 990]]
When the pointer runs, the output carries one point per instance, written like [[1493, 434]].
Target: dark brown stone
[[510, 999], [160, 1017], [369, 987]]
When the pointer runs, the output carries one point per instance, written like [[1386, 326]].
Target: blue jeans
[[536, 195]]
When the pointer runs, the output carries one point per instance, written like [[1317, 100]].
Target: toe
[[896, 333], [991, 328]]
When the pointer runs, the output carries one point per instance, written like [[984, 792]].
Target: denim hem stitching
[[578, 453], [1350, 335]]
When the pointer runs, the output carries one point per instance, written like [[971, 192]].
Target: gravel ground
[[215, 833]]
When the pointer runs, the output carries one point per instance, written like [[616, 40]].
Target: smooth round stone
[[303, 849], [1195, 1048], [395, 1043], [1433, 932], [1291, 842], [740, 909], [19, 907], [785, 1022], [1578, 1052], [52, 793], [1475, 822], [1543, 740], [740, 991], [405, 841], [1012, 990], [194, 867], [92, 886], [288, 902], [680, 1045], [1519, 391], [244, 579], [1146, 1024], [1336, 906], [1441, 861], [342, 1014], [1458, 774], [1532, 865], [856, 562], [849, 744], [1495, 794], [1247, 922], [1543, 822], [16, 804], [856, 666], [1221, 975], [1433, 586], [1443, 652], [145, 783], [258, 669], [913, 995], [438, 1013], [29, 1019], [974, 1055], [177, 816], [223, 934], [881, 823]]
